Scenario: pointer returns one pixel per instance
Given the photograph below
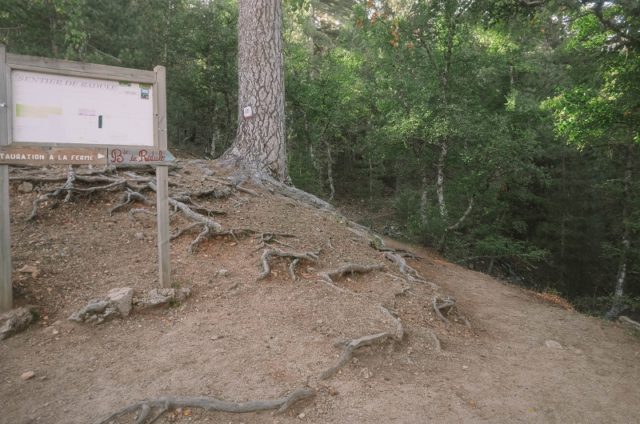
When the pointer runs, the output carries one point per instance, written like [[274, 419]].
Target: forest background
[[503, 133]]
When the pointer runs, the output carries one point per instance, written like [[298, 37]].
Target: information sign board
[[42, 156], [63, 112], [137, 156], [60, 109]]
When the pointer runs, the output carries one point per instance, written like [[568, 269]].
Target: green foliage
[[599, 305], [195, 40]]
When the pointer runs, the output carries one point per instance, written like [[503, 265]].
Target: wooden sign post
[[6, 294], [162, 180], [63, 112]]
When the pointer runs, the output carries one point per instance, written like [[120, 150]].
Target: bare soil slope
[[521, 360]]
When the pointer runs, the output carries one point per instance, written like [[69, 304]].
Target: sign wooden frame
[[156, 78]]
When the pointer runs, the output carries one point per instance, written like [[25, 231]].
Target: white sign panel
[[49, 108]]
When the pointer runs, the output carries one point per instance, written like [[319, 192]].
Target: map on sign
[[49, 108]]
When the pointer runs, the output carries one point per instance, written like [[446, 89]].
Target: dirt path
[[523, 361], [513, 376]]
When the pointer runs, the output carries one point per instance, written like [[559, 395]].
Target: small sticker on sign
[[144, 93], [247, 112]]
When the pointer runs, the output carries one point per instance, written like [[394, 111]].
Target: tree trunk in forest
[[444, 143], [53, 28], [617, 306], [424, 201], [332, 189], [444, 147], [260, 139]]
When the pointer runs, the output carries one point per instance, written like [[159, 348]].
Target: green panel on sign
[[31, 111]]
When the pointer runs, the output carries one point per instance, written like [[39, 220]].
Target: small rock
[[159, 297], [30, 269], [25, 187], [302, 415], [89, 312], [15, 321], [27, 375], [121, 298], [552, 344], [139, 236], [465, 367], [223, 272]]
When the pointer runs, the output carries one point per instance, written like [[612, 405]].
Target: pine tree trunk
[[260, 140]]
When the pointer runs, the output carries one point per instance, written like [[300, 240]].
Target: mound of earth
[[486, 352]]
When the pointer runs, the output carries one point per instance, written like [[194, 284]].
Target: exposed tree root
[[445, 305], [194, 216], [235, 184], [268, 253], [209, 227], [292, 269], [215, 193], [333, 286], [434, 340], [292, 192], [267, 238], [246, 190], [206, 233], [68, 185], [410, 274], [629, 322], [129, 197], [184, 230], [377, 243], [398, 334], [186, 198], [352, 345], [161, 405], [349, 269], [350, 348], [203, 235]]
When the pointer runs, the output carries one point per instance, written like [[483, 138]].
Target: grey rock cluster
[[116, 303], [120, 301], [15, 321]]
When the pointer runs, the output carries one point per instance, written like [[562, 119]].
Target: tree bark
[[616, 307], [444, 148], [424, 201], [332, 189], [444, 142], [260, 139]]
